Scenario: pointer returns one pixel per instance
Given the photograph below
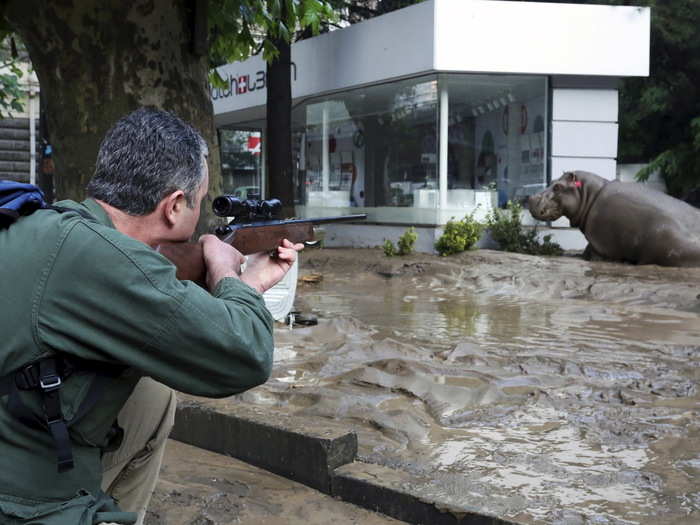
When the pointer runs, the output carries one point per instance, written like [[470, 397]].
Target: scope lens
[[271, 207], [228, 206]]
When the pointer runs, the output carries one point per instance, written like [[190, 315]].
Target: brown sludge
[[544, 390]]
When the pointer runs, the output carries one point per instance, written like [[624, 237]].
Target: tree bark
[[279, 128], [101, 59]]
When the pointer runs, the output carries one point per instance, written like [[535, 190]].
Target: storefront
[[442, 109]]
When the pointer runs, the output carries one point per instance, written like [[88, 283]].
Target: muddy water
[[540, 390]]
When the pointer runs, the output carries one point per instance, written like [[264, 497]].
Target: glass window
[[373, 148], [241, 161], [496, 140], [378, 148]]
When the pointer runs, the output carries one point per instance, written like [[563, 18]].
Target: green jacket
[[79, 286]]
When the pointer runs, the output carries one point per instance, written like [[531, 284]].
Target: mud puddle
[[542, 390]]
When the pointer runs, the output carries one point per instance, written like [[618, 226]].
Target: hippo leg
[[589, 254]]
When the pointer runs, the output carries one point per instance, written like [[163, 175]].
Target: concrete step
[[202, 487], [322, 454]]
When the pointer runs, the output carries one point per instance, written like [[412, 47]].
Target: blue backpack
[[17, 199]]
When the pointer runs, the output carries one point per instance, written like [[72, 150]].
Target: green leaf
[[216, 80]]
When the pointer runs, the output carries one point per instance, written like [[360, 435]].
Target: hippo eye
[[558, 187]]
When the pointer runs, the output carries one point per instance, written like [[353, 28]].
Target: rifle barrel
[[318, 220]]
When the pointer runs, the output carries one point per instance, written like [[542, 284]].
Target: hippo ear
[[569, 176]]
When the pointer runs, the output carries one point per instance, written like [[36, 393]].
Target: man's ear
[[173, 205]]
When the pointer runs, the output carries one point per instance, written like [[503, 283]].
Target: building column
[[32, 135], [443, 140], [325, 156], [263, 164]]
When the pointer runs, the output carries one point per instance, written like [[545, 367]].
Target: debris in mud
[[297, 318], [311, 278], [392, 269]]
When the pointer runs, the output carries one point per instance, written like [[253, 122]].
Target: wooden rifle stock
[[247, 238]]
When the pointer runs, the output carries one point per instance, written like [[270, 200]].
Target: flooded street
[[541, 390]]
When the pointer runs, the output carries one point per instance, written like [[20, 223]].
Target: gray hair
[[146, 156]]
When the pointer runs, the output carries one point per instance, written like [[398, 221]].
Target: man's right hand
[[221, 260]]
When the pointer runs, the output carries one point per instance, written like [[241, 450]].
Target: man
[[91, 312]]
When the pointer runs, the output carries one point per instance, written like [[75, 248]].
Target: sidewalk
[[197, 487]]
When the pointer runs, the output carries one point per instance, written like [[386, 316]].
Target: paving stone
[[302, 449], [204, 488]]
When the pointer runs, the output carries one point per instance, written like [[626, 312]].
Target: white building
[[443, 108]]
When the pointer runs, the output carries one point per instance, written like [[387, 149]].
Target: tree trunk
[[101, 59], [279, 128]]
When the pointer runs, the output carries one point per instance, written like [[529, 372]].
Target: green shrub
[[407, 241], [507, 230], [389, 248], [459, 236], [548, 247], [404, 246]]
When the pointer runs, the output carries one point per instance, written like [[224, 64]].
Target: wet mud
[[544, 390]]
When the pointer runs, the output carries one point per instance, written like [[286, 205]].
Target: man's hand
[[262, 271], [221, 260]]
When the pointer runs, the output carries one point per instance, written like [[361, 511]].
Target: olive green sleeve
[[111, 298]]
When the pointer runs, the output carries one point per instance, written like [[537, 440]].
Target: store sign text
[[242, 84]]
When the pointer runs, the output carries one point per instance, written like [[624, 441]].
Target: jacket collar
[[97, 211]]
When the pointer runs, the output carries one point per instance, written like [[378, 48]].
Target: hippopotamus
[[623, 221]]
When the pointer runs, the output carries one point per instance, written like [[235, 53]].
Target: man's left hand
[[262, 271]]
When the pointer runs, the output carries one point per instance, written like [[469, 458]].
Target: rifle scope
[[249, 209]]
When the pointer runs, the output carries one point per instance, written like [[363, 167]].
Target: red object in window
[[254, 144]]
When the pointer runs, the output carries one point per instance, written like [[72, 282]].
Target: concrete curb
[[322, 459], [401, 496], [267, 440]]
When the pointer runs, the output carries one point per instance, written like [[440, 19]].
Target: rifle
[[255, 227]]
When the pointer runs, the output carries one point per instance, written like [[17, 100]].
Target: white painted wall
[[584, 131], [541, 38], [584, 139], [585, 105], [603, 167], [371, 236]]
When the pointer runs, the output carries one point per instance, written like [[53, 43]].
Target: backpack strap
[[7, 217], [46, 376]]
